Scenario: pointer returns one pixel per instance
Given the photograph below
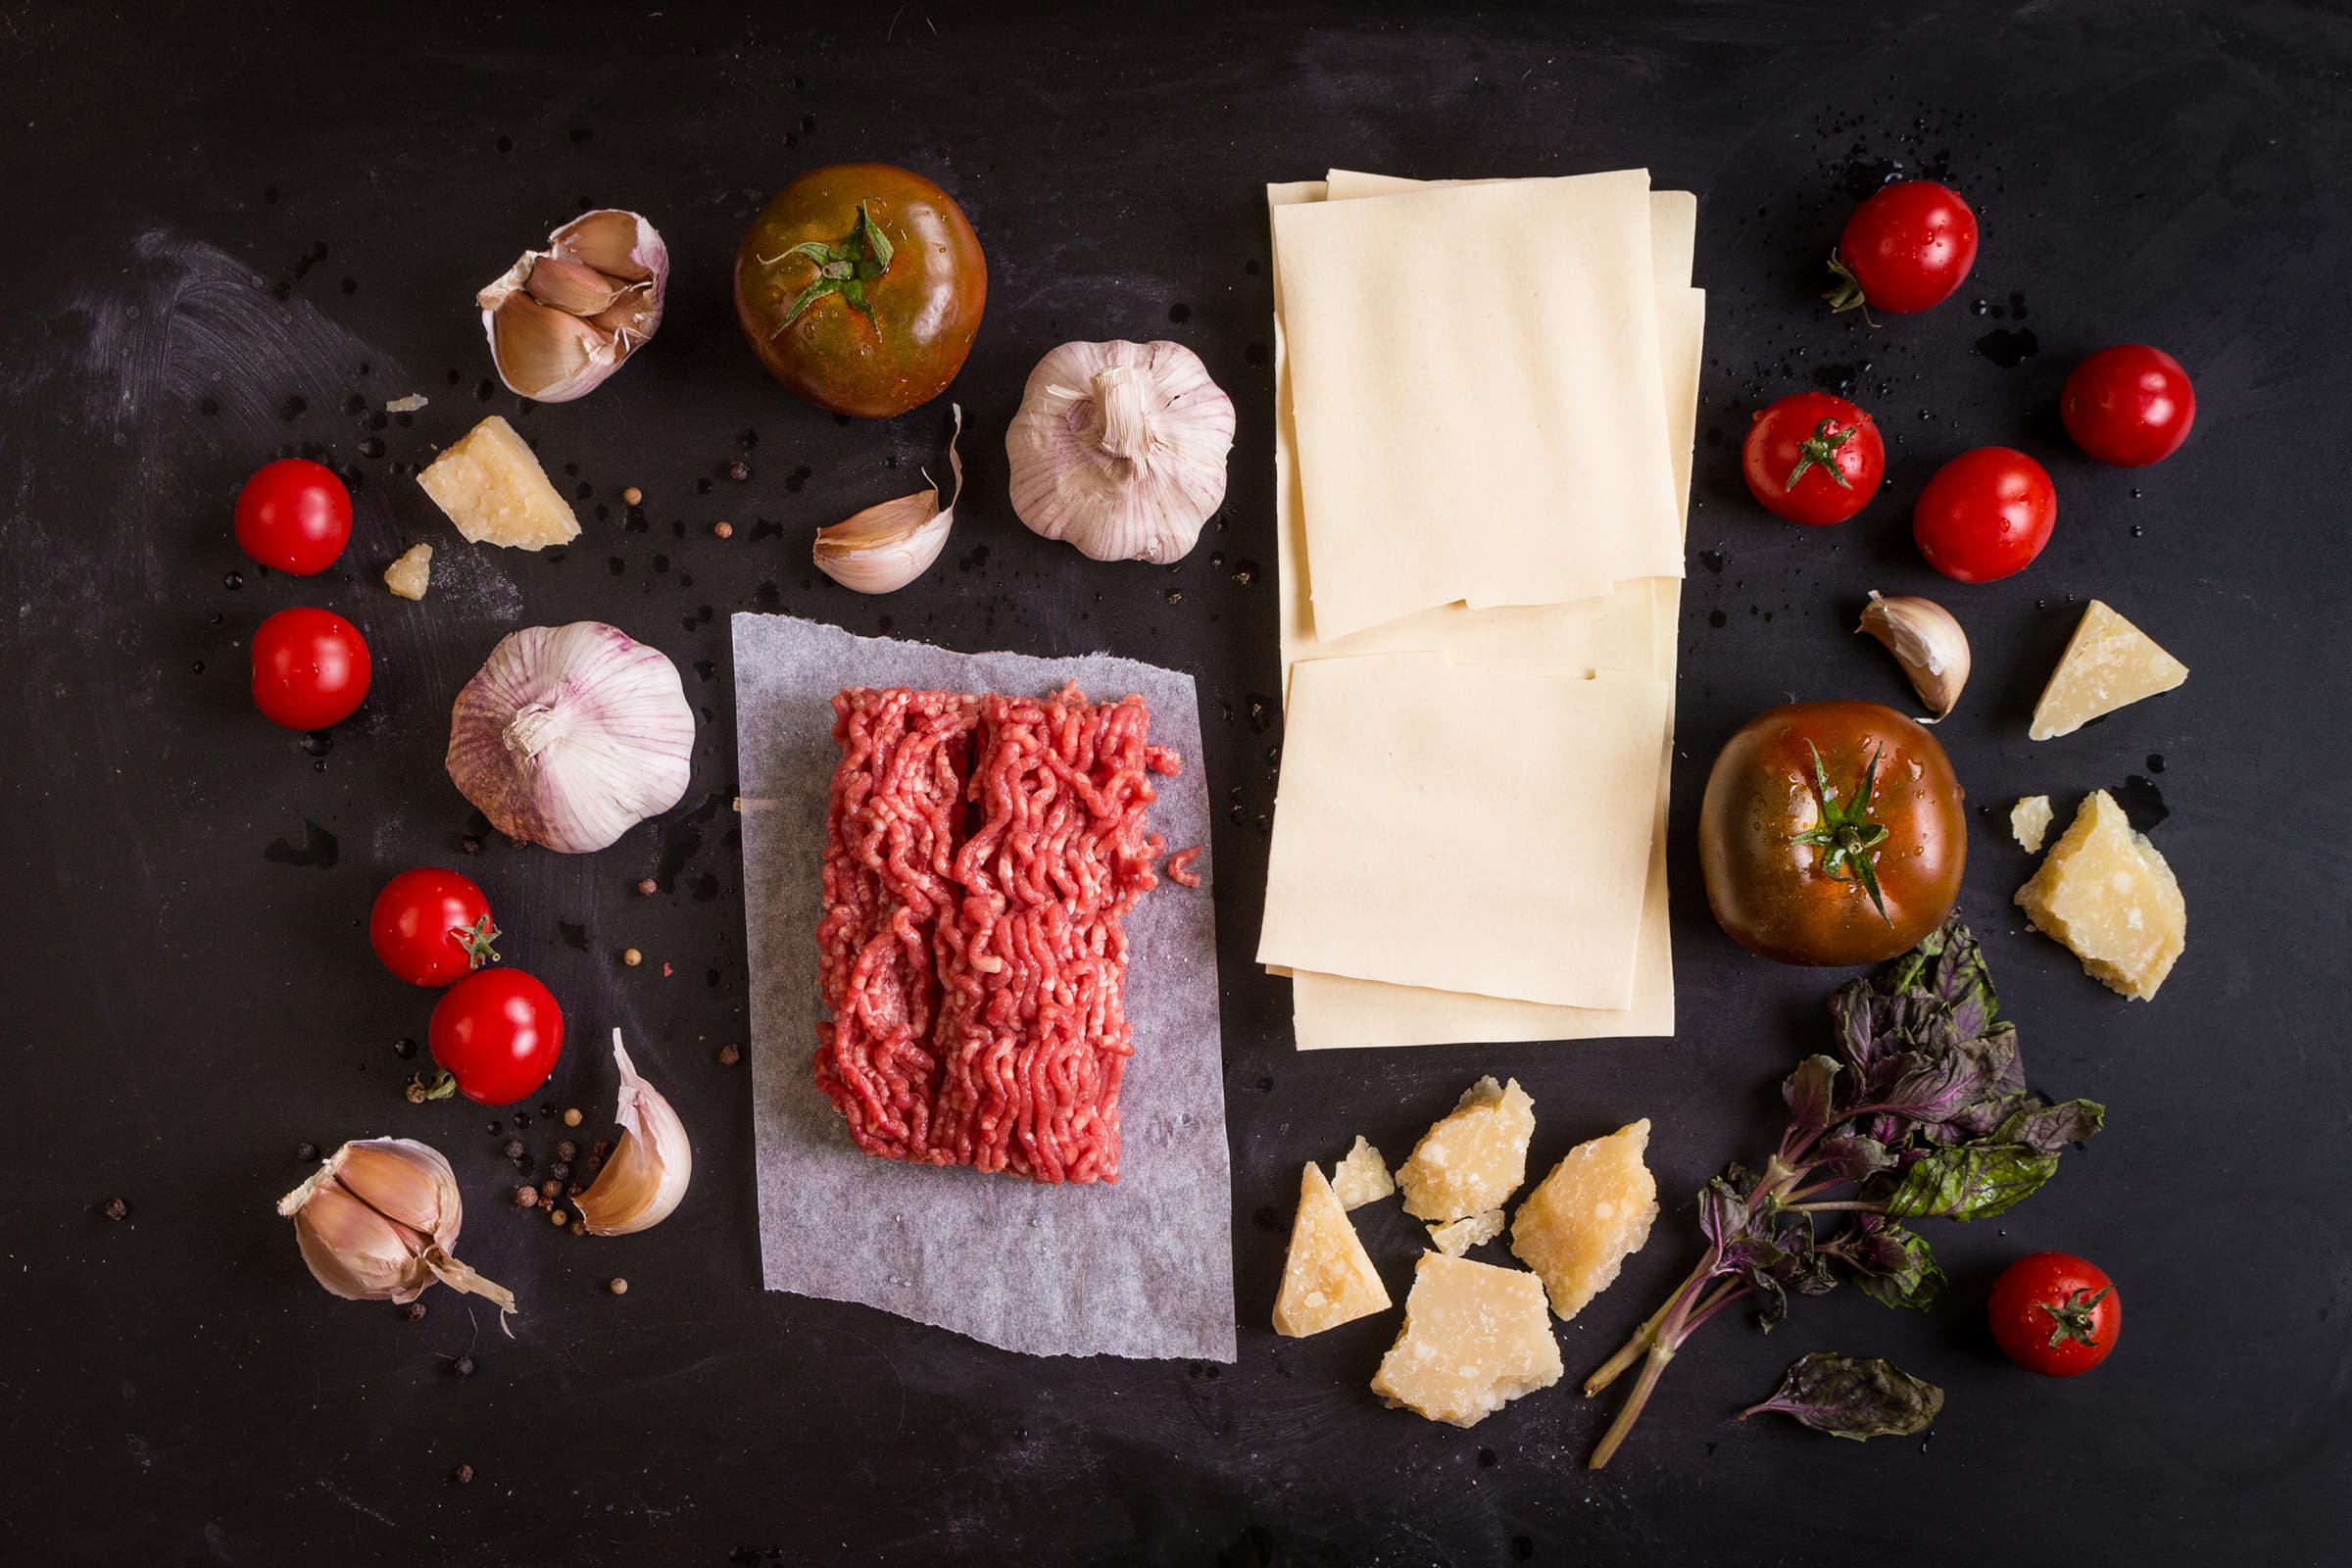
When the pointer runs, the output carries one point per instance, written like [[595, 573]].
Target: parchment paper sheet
[[1144, 1268]]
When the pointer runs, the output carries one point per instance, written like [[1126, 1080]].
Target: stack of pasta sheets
[[1485, 396]]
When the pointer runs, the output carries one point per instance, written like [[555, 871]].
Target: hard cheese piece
[[1327, 1280], [494, 490], [1475, 1338], [1474, 1157], [1585, 1219], [1457, 1236], [1362, 1177], [2030, 822], [2107, 895], [408, 576], [2109, 663]]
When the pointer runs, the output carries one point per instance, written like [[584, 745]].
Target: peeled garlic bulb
[[1927, 641], [378, 1222], [571, 735], [1119, 448], [562, 320], [651, 1166], [889, 545]]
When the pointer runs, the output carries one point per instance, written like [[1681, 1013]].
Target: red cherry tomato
[[1985, 515], [1905, 249], [431, 927], [294, 515], [2129, 404], [1813, 459], [309, 669], [496, 1035], [2055, 1315]]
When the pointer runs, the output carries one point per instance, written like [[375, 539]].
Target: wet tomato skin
[[2055, 1315], [924, 308], [1833, 449], [1907, 247], [1985, 515], [1770, 895], [2130, 406]]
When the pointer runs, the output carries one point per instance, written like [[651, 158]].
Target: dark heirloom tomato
[[1831, 833], [860, 287]]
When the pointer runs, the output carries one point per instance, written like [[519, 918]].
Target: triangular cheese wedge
[[2110, 663], [1328, 1279]]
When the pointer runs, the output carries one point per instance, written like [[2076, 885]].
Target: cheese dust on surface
[[1457, 1236], [492, 487], [408, 576], [2108, 663], [1585, 1219], [1362, 1177], [1328, 1279], [2030, 822], [2106, 894], [1475, 1336], [1474, 1157]]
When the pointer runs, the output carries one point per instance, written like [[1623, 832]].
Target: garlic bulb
[[571, 735], [649, 1170], [1926, 642], [378, 1221], [1119, 448], [891, 543], [562, 320]]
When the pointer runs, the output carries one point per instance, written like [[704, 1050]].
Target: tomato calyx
[[440, 1086], [2073, 1319], [1848, 295], [1819, 449], [475, 939], [844, 268], [1847, 835]]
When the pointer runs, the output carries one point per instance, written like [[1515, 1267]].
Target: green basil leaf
[[2050, 1128], [1852, 1396], [1974, 1181], [1894, 1266]]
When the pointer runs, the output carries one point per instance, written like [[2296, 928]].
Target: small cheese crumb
[[408, 576], [1585, 1219], [1475, 1338], [1328, 1279], [1362, 1177], [1474, 1157], [2107, 895], [1457, 1236], [492, 487], [2108, 663], [2030, 822], [408, 405]]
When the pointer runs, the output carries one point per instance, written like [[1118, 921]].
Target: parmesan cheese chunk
[[1585, 1219], [494, 490], [1457, 1236], [408, 576], [2030, 822], [2108, 663], [1362, 1177], [1327, 1280], [2108, 896], [1475, 1338], [1474, 1157]]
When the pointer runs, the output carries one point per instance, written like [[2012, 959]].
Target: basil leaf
[[2050, 1128], [1852, 1157], [1975, 1181], [1808, 1092], [1851, 1396], [1893, 1266], [1722, 1213]]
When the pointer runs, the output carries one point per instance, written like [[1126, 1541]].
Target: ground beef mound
[[981, 852]]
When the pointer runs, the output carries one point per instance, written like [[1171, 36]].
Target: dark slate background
[[226, 224]]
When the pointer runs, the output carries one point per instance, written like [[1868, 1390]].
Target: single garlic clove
[[562, 320], [618, 243], [651, 1166], [573, 288], [377, 1221], [1927, 641], [355, 1252], [889, 545], [1119, 448], [545, 354], [409, 1184]]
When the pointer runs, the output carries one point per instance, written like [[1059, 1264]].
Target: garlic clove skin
[[562, 320], [886, 546], [1927, 641], [377, 1221], [1119, 448], [571, 735], [651, 1166]]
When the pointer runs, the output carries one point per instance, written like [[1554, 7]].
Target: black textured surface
[[225, 227]]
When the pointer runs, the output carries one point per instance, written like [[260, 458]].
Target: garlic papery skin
[[571, 735], [1927, 641], [562, 320], [649, 1167], [380, 1220], [890, 544], [1119, 448]]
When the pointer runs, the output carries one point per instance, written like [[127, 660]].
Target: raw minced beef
[[981, 852]]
